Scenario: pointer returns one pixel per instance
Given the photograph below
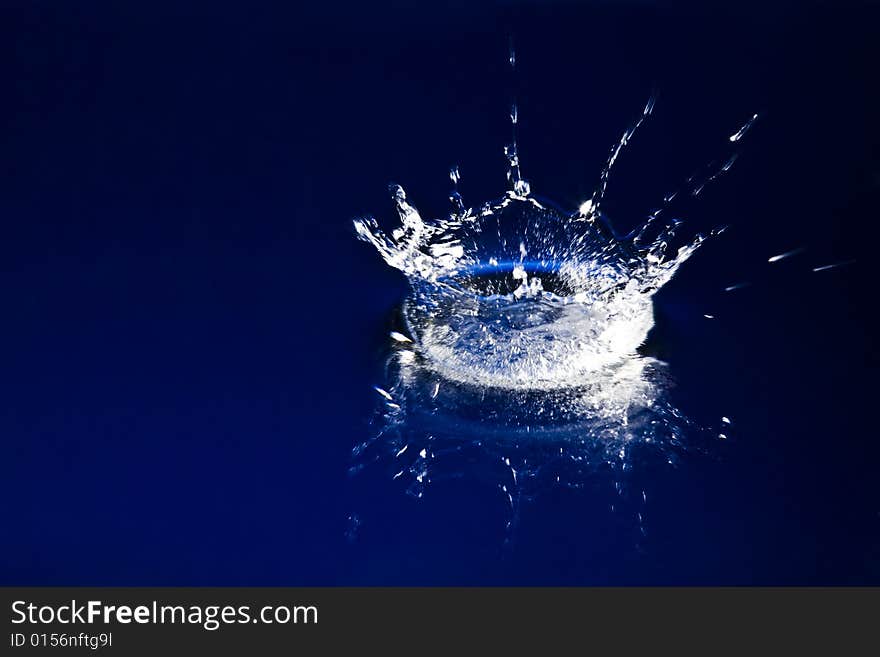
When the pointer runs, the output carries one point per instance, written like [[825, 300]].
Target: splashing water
[[519, 295], [519, 341]]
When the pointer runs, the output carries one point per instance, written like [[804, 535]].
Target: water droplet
[[739, 134]]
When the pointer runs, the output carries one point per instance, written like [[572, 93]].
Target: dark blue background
[[190, 331]]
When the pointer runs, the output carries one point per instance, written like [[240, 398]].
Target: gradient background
[[190, 331]]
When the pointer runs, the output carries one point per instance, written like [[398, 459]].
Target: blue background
[[190, 330]]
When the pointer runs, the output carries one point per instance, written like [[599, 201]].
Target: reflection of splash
[[517, 359], [432, 429]]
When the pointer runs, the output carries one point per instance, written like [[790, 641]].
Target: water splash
[[519, 295], [517, 357]]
